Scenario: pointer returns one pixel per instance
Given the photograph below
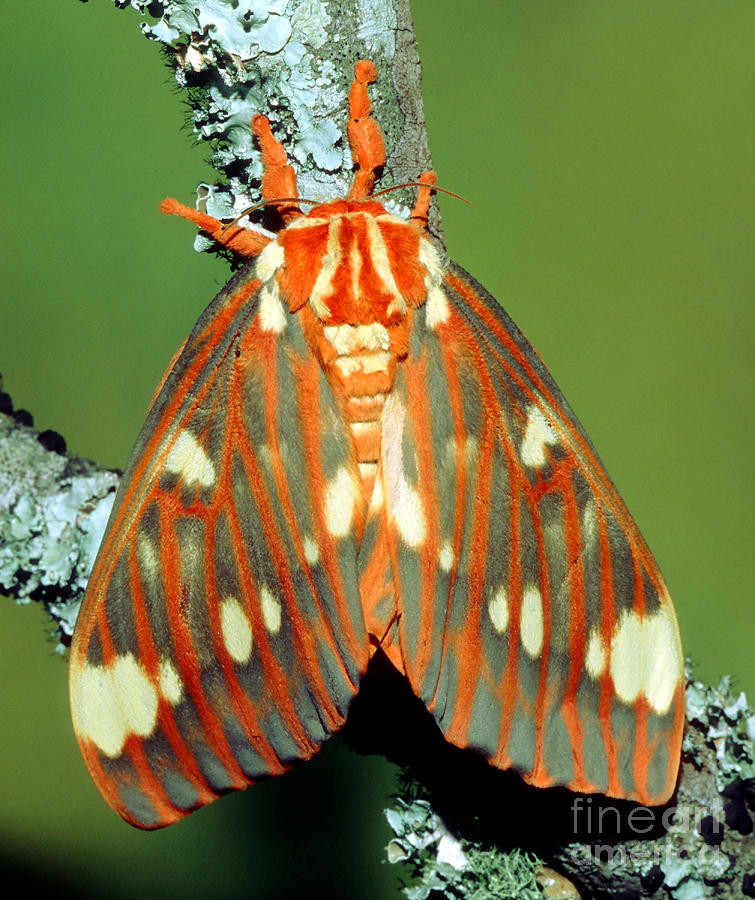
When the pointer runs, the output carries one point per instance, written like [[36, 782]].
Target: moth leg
[[365, 139], [241, 240], [278, 178], [421, 209]]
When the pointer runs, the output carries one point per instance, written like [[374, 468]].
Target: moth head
[[350, 258]]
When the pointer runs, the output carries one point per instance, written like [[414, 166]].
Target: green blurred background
[[607, 148]]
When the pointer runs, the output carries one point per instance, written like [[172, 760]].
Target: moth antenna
[[250, 209], [365, 137], [278, 178], [419, 184], [242, 241]]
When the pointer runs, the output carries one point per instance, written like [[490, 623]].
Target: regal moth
[[357, 450]]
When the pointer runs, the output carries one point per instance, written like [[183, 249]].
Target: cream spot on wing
[[236, 629], [404, 501], [109, 703], [271, 312], [595, 655], [189, 461], [97, 712], [626, 662], [437, 309], [663, 666], [646, 658], [538, 434], [171, 686], [147, 556], [269, 261], [136, 694], [271, 610], [531, 625], [446, 557], [367, 471], [311, 550], [498, 610], [340, 498], [430, 259], [589, 522]]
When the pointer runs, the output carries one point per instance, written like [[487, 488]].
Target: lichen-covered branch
[[293, 61], [53, 511]]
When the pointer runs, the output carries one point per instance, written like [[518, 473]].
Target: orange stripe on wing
[[189, 664], [577, 628], [302, 629], [416, 383], [307, 375], [134, 499], [539, 775], [594, 470], [149, 657], [607, 626], [445, 341]]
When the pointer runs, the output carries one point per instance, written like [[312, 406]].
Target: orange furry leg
[[278, 178], [428, 180], [241, 240], [365, 137]]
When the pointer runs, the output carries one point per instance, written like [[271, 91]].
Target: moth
[[355, 449]]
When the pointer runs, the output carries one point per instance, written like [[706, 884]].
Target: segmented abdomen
[[362, 362]]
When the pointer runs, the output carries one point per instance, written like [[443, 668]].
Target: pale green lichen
[[289, 59], [442, 865], [377, 21], [728, 725], [53, 512]]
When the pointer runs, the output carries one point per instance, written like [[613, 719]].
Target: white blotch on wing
[[531, 624], [188, 460], [311, 550], [404, 501], [340, 498], [646, 659], [437, 309], [538, 434], [171, 686], [236, 629], [271, 610], [109, 703], [446, 557], [498, 610], [595, 655], [269, 261], [271, 311]]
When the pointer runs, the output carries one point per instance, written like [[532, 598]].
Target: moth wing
[[533, 621], [221, 637]]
